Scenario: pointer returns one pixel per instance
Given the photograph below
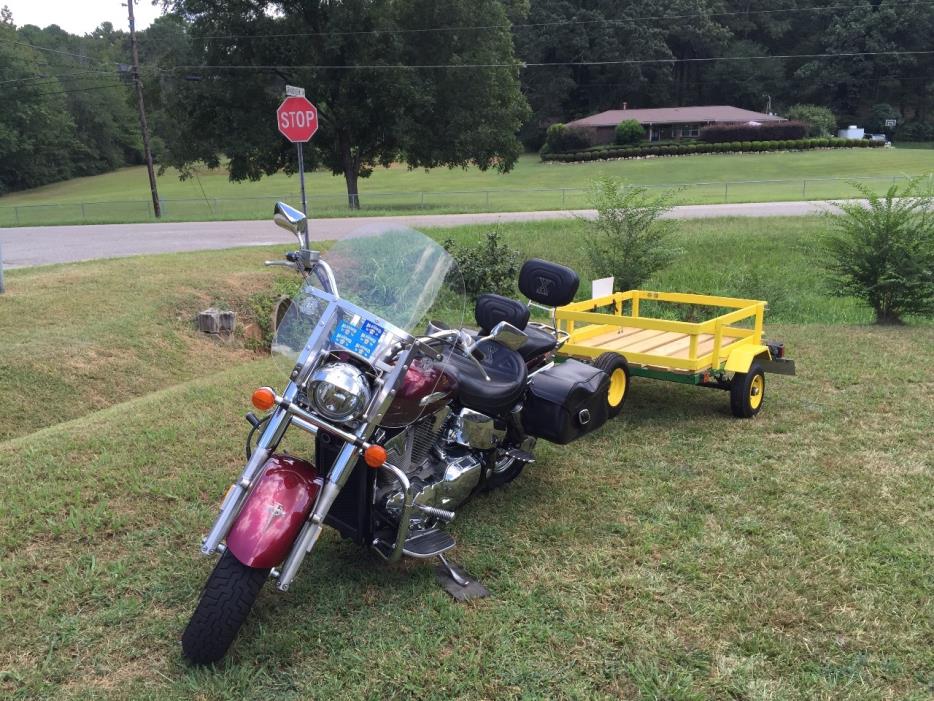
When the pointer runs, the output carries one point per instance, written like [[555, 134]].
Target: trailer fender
[[741, 359]]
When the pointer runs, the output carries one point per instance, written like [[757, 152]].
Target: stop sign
[[297, 119]]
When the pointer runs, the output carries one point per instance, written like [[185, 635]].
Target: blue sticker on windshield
[[361, 340]]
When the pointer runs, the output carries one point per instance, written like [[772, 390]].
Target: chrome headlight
[[339, 391]]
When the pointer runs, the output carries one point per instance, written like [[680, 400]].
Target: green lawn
[[124, 196], [78, 338], [85, 336], [676, 554]]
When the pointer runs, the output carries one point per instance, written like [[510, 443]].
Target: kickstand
[[455, 582]]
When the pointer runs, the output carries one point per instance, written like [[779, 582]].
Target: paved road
[[44, 245]]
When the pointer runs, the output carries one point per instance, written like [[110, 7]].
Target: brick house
[[668, 123]]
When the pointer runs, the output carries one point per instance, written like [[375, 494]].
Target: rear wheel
[[505, 470], [615, 365], [225, 603], [747, 392]]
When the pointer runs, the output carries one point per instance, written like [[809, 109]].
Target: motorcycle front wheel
[[225, 603]]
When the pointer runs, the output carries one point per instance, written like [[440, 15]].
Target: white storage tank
[[852, 132]]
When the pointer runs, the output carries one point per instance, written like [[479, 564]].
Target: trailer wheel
[[615, 365], [747, 392]]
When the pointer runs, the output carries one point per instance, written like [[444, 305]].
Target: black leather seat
[[505, 387], [538, 343]]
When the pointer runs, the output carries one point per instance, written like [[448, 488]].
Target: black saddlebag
[[566, 401]]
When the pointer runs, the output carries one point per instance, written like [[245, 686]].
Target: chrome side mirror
[[292, 220], [508, 335]]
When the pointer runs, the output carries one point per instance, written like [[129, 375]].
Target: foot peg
[[519, 454], [442, 514], [458, 583]]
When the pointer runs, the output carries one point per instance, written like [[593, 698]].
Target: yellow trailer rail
[[703, 353]]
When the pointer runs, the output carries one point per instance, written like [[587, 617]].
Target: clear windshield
[[396, 274]]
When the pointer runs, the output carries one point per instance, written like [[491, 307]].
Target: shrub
[[717, 133], [628, 240], [819, 121], [629, 131], [560, 138], [489, 266], [882, 252]]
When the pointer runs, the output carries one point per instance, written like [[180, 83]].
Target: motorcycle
[[407, 426]]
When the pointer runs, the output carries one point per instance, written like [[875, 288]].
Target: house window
[[690, 130]]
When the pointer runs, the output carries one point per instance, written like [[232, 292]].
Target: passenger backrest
[[549, 284], [492, 309]]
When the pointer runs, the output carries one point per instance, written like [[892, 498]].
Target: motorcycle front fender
[[275, 511]]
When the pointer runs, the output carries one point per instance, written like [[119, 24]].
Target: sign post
[[297, 119]]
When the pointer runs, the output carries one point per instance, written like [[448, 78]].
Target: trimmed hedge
[[736, 133], [612, 151], [560, 138]]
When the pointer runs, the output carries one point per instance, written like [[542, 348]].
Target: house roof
[[675, 115]]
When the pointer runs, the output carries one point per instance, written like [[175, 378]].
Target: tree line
[[438, 82]]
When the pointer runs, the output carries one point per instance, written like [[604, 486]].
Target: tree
[[629, 131], [883, 252], [879, 114], [376, 103], [37, 134], [629, 239], [820, 120]]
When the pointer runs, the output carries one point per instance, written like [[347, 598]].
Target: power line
[[37, 79], [554, 23], [58, 51], [521, 64], [96, 87]]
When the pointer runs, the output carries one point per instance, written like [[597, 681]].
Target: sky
[[80, 16]]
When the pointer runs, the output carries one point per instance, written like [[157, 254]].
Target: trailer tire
[[615, 365], [747, 392]]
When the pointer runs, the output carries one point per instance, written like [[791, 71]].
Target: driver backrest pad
[[492, 309], [549, 284]]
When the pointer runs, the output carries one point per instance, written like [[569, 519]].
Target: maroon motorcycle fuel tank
[[274, 512], [423, 378]]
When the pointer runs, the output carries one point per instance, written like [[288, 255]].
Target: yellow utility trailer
[[725, 351]]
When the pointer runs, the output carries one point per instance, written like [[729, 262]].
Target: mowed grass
[[676, 554], [82, 337], [123, 196], [78, 338], [774, 259]]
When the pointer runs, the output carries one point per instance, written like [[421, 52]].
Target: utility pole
[[156, 207]]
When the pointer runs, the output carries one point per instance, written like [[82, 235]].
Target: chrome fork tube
[[339, 474], [311, 531], [267, 443]]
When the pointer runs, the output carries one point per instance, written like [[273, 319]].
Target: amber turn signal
[[264, 399], [374, 456]]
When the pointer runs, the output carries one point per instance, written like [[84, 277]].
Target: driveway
[[44, 245]]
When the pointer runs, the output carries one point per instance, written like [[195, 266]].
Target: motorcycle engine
[[441, 462]]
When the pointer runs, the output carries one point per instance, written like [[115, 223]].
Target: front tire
[[225, 603]]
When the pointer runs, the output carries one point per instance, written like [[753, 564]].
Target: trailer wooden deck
[[668, 344]]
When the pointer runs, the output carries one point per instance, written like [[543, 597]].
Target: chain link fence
[[427, 202]]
